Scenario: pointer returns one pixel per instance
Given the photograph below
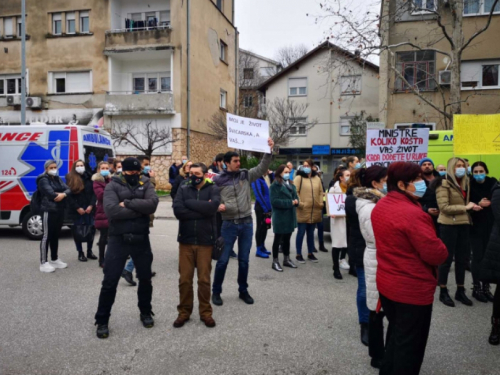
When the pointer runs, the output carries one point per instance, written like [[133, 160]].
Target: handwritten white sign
[[335, 204], [247, 134]]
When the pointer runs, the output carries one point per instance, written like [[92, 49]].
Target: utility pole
[[23, 62]]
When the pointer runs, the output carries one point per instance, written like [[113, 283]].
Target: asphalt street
[[303, 321]]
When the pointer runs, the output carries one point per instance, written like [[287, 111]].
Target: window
[[70, 82], [478, 7], [418, 68], [151, 82], [423, 6], [220, 5], [165, 83], [8, 27], [223, 99], [2, 87], [248, 101], [10, 84], [299, 127], [165, 17], [351, 85], [19, 27], [248, 73], [84, 22], [345, 125], [57, 24], [297, 86], [139, 84], [480, 74], [70, 23], [223, 50], [490, 75]]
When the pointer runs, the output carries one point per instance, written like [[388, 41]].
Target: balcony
[[123, 103], [123, 41]]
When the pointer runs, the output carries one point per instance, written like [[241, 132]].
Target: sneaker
[[147, 320], [102, 331], [246, 298], [344, 265], [46, 267], [233, 255], [58, 263], [129, 278], [300, 259], [312, 258]]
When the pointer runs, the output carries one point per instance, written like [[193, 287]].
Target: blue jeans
[[302, 229], [363, 312], [130, 266], [321, 231], [230, 232]]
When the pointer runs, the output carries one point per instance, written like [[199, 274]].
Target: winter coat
[[140, 202], [101, 220], [284, 216], [451, 204], [235, 189], [490, 266], [49, 187], [179, 181], [83, 199], [196, 209], [408, 250], [483, 220], [357, 244], [367, 199], [338, 225], [310, 193], [429, 199], [173, 172], [261, 192]]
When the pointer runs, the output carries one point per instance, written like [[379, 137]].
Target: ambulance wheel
[[33, 227]]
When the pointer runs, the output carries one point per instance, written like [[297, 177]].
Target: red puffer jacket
[[101, 220], [408, 250]]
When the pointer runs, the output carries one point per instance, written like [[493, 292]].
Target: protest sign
[[386, 146], [210, 175], [335, 204], [247, 134], [476, 134]]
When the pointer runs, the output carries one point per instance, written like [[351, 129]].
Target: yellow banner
[[476, 134]]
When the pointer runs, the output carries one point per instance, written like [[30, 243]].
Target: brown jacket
[[452, 204], [310, 192]]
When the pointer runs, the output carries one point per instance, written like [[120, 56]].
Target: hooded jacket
[[49, 187], [310, 193], [83, 199], [100, 183], [196, 209], [140, 202], [235, 189], [490, 266], [261, 192], [452, 203]]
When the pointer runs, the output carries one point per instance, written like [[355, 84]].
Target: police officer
[[129, 199]]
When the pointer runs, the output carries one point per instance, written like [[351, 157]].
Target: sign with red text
[[335, 204], [247, 134], [386, 146]]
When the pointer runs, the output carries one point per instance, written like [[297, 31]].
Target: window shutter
[[78, 82], [8, 26], [298, 82]]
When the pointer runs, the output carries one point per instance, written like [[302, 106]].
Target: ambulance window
[[94, 155]]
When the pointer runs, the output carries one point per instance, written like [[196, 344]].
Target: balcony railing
[[119, 103], [162, 26]]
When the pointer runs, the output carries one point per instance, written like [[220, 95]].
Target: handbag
[[218, 248], [83, 232]]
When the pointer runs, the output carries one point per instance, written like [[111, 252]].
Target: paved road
[[303, 322]]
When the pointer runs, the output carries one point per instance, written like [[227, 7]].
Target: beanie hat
[[424, 160], [49, 162], [131, 164]]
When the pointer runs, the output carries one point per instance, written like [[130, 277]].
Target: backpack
[[36, 203]]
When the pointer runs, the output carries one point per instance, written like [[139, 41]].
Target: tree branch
[[486, 27]]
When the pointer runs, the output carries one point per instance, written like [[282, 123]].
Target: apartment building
[[113, 63], [424, 67], [336, 85]]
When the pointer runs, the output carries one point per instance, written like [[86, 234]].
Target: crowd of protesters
[[403, 227]]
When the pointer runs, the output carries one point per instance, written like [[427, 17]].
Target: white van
[[24, 150]]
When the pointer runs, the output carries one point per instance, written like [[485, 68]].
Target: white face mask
[[53, 172], [119, 170], [80, 170]]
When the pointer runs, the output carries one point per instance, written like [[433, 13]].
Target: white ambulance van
[[24, 150]]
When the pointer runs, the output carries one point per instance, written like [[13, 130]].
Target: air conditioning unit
[[13, 99], [445, 77], [34, 102]]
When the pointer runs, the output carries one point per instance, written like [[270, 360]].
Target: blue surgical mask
[[480, 177], [469, 170], [357, 166], [442, 173], [460, 172], [184, 161], [420, 188], [286, 176], [224, 166], [384, 189], [306, 170], [105, 173], [147, 168]]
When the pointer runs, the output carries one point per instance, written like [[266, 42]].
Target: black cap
[[131, 164]]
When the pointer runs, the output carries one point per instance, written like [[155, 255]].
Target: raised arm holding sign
[[247, 134]]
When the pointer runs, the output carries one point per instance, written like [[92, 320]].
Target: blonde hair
[[183, 172], [450, 171]]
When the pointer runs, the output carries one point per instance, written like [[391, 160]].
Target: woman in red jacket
[[408, 253], [101, 179]]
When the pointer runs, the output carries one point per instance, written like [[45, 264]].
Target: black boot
[[336, 263], [352, 271], [147, 320], [495, 331], [102, 331], [461, 297], [276, 265], [129, 278], [81, 256], [322, 247], [477, 293], [364, 333], [90, 255], [445, 297], [288, 263], [487, 293]]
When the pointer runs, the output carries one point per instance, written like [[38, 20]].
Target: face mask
[[105, 173], [53, 172], [195, 180], [184, 161], [420, 189], [80, 170], [224, 166], [384, 188], [132, 180], [480, 177], [306, 170], [357, 166], [442, 173], [460, 172], [119, 170], [347, 179], [469, 170], [286, 176], [147, 168]]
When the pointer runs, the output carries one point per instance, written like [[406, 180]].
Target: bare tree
[[145, 138], [357, 138], [366, 30], [289, 54]]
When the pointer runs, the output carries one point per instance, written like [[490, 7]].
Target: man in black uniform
[[129, 199]]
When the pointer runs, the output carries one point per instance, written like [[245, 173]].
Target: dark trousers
[[457, 241], [496, 303], [479, 238], [284, 241], [218, 218], [52, 224], [103, 241], [261, 227], [376, 346], [407, 337], [321, 232], [87, 219], [116, 257]]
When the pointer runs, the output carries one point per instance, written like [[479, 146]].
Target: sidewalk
[[164, 210]]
